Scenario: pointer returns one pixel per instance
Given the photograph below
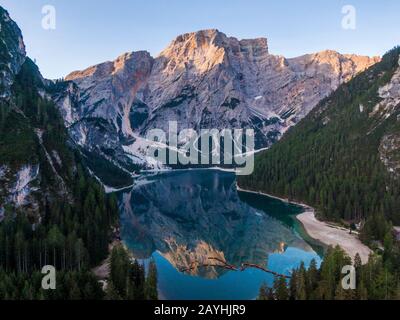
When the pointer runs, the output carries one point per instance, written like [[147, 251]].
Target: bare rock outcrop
[[202, 80]]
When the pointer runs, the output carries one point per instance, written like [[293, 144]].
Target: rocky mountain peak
[[200, 51], [204, 49], [202, 80], [215, 37], [124, 63], [201, 37], [339, 67], [12, 52]]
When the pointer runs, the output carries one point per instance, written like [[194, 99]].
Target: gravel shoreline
[[332, 235]]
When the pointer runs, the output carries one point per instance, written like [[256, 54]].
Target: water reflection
[[189, 217]]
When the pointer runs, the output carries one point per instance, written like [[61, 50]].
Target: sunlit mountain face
[[202, 80]]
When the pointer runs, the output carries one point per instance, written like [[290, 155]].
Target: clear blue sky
[[92, 31]]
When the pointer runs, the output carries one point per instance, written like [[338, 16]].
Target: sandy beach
[[333, 235], [326, 233]]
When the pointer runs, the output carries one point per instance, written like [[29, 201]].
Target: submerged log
[[223, 264]]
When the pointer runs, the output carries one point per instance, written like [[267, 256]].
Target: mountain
[[14, 178], [51, 209], [12, 52], [35, 163], [344, 157], [201, 80]]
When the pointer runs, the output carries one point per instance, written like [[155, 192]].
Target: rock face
[[12, 52], [34, 168], [17, 186], [100, 106], [390, 99], [388, 106], [202, 80]]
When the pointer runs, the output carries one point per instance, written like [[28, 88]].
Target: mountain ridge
[[202, 80]]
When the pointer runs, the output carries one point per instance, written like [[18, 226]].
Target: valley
[[80, 188]]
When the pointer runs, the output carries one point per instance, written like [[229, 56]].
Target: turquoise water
[[181, 219]]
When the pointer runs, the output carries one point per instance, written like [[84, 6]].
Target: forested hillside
[[68, 218], [343, 157], [52, 211], [377, 280]]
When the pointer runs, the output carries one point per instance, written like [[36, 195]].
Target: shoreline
[[300, 204], [324, 232]]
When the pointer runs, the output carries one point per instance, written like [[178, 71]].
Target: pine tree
[[263, 292], [74, 292], [312, 278], [112, 292], [280, 288], [301, 289], [151, 282], [137, 276], [119, 266]]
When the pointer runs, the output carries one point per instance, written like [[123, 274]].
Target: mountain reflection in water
[[187, 217]]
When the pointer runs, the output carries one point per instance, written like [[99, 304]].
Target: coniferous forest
[[376, 280], [331, 160], [71, 226], [65, 143]]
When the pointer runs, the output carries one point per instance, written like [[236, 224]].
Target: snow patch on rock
[[139, 153]]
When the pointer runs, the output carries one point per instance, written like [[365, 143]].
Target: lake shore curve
[[328, 234]]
